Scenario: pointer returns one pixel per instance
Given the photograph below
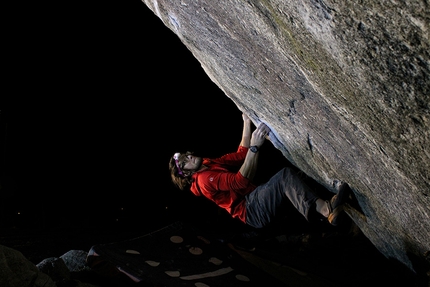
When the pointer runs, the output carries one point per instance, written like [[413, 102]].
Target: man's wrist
[[254, 148]]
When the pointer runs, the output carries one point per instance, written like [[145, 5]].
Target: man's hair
[[181, 181]]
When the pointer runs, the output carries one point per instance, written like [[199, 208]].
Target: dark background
[[99, 96]]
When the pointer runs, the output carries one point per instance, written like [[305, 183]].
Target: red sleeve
[[233, 159], [218, 184]]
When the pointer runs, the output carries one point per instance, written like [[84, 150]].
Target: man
[[228, 181]]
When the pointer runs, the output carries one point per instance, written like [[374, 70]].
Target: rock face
[[17, 271], [344, 87]]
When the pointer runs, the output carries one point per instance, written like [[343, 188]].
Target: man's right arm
[[246, 132]]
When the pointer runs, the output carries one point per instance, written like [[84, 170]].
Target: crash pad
[[178, 254]]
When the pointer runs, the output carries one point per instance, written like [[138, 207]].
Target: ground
[[315, 253]]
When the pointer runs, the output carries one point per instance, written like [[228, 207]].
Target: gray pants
[[263, 204]]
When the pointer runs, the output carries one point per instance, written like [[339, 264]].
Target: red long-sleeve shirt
[[222, 182]]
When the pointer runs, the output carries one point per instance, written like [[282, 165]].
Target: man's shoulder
[[211, 172]]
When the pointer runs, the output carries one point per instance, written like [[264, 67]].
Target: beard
[[198, 163]]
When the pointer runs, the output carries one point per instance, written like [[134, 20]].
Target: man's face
[[191, 162]]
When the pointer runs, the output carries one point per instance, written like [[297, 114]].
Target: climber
[[228, 181]]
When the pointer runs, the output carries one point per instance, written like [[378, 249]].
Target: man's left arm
[[249, 166]]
